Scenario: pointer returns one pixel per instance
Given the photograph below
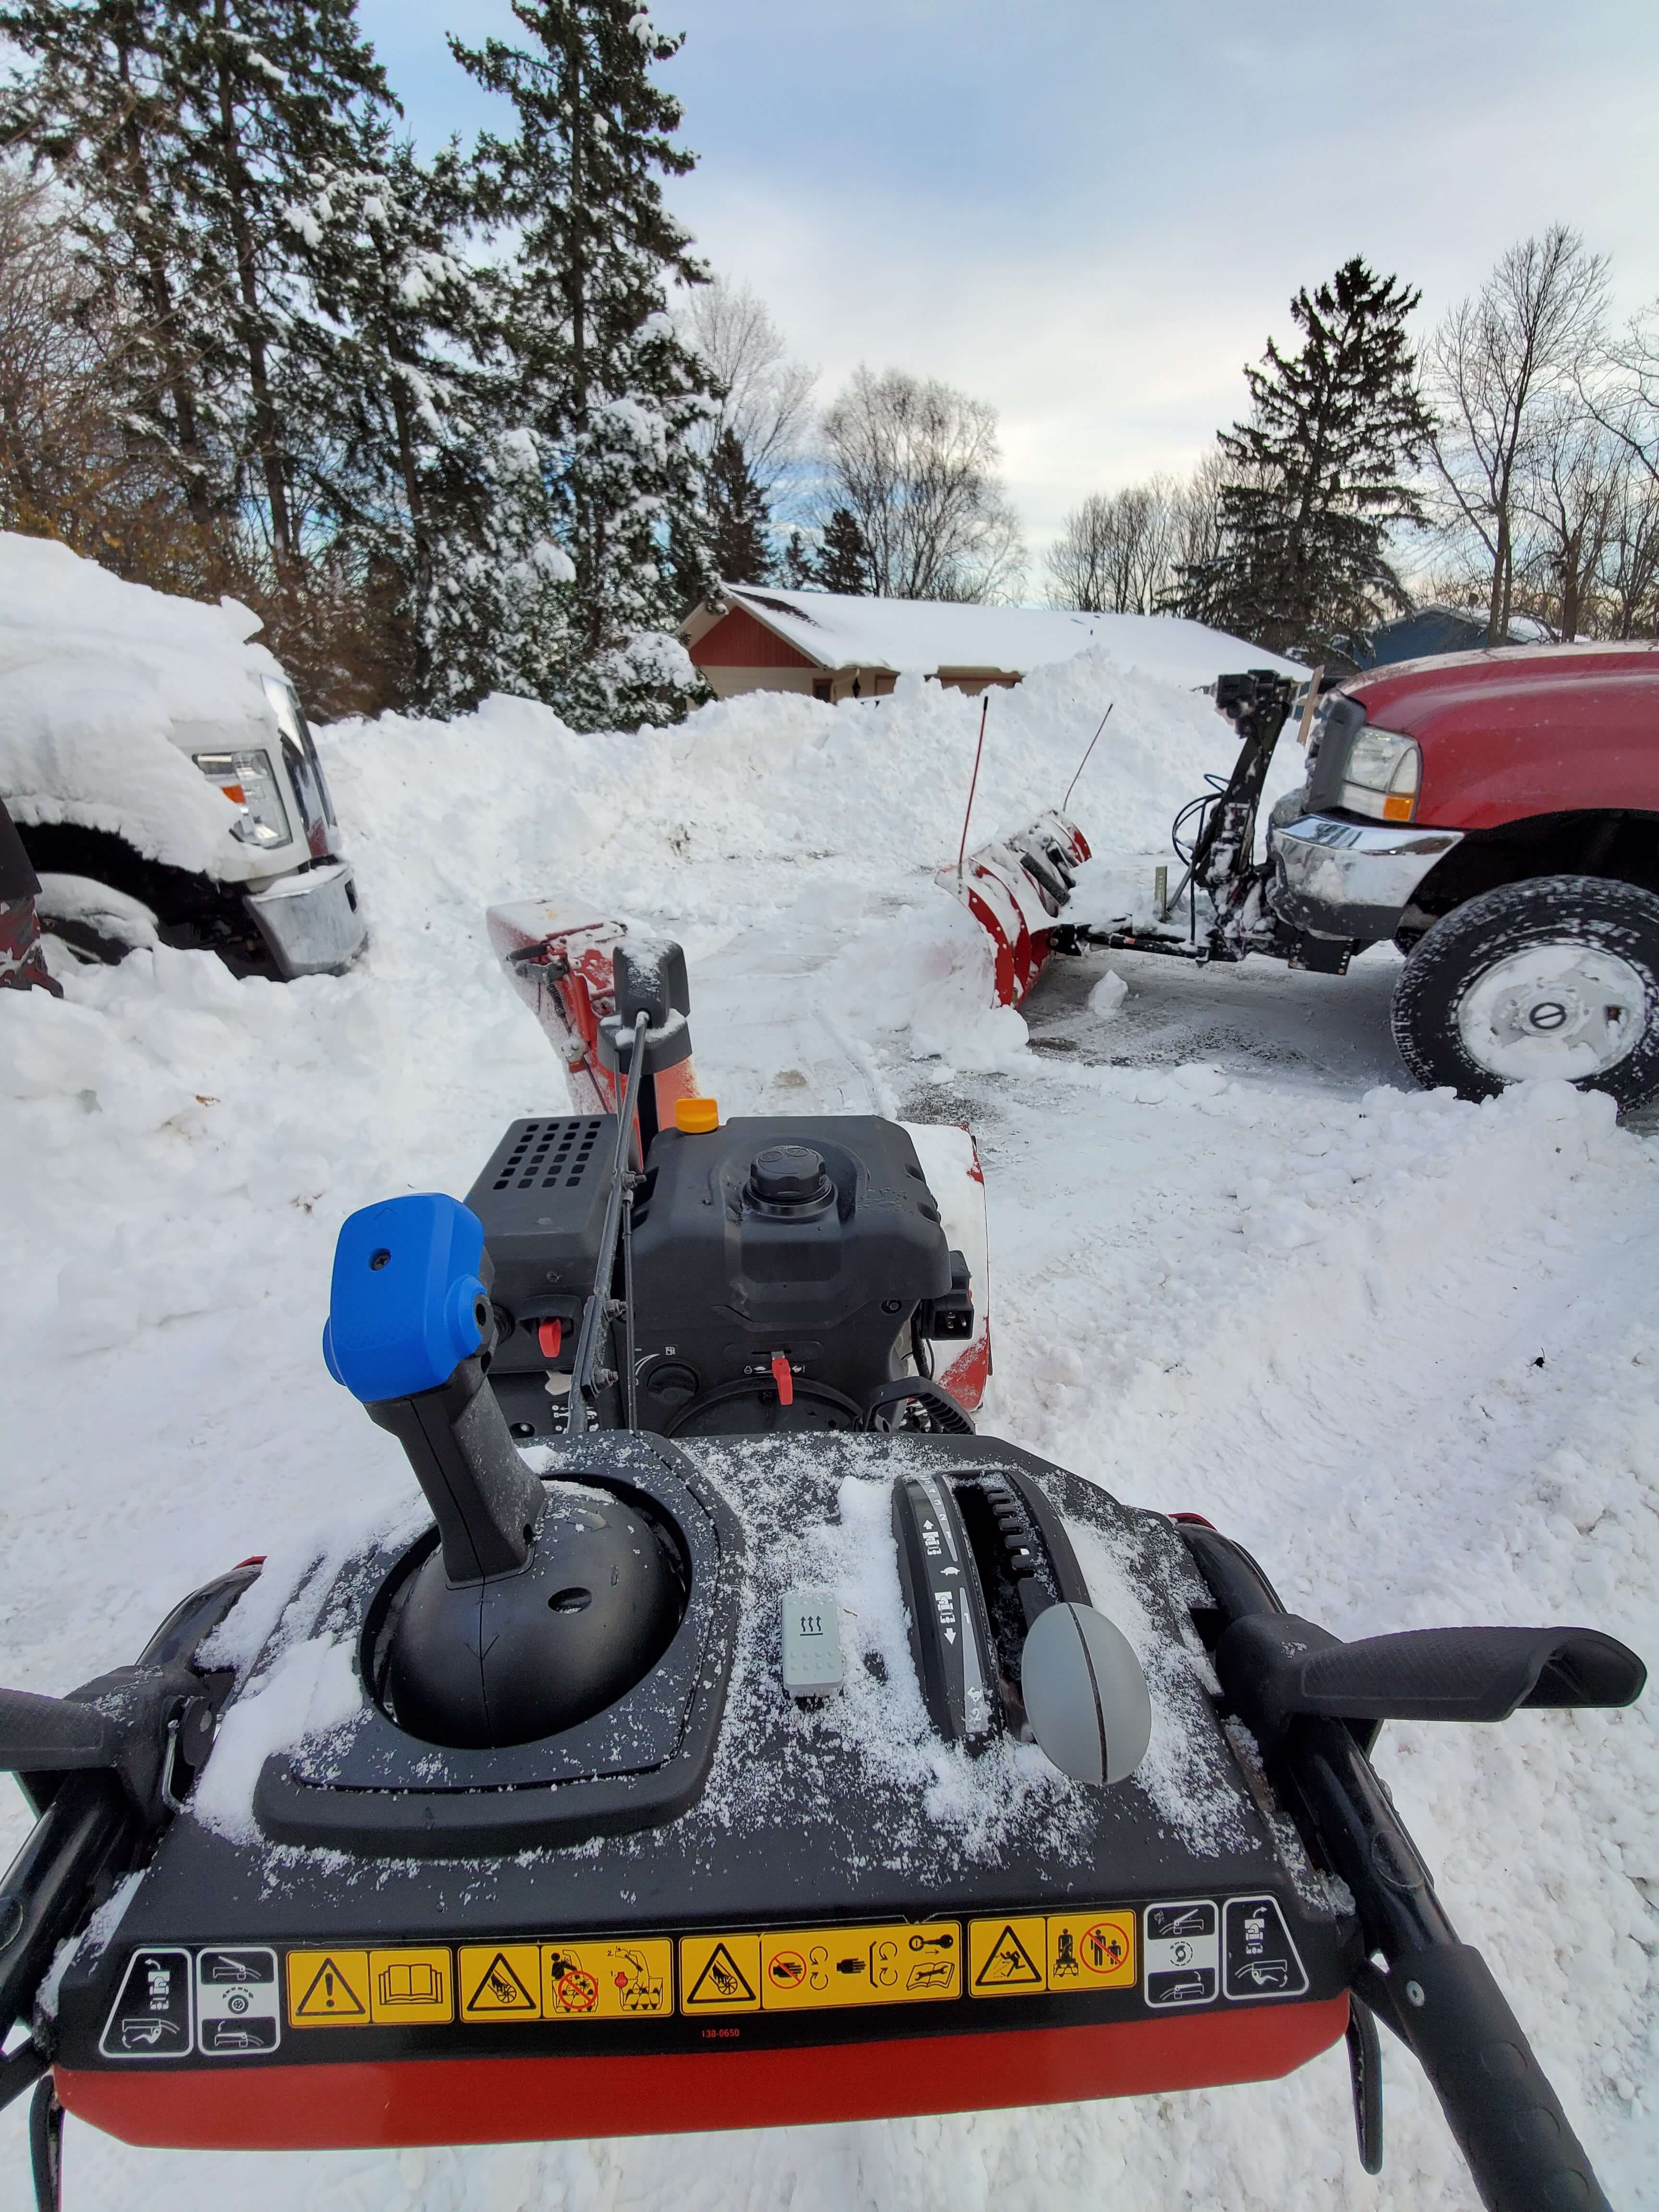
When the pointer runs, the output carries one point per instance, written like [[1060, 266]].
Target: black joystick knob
[[789, 1179], [541, 1604]]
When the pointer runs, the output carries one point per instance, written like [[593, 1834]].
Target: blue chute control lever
[[409, 1329], [408, 1301]]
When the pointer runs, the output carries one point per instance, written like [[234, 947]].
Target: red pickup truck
[[1497, 815]]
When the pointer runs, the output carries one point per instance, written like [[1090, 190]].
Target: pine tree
[[738, 547], [603, 379], [798, 573], [1317, 477], [424, 477], [843, 563]]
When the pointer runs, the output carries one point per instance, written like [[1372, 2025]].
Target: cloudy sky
[[1092, 214]]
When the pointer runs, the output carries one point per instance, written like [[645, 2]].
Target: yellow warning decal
[[1091, 1951], [328, 1988], [501, 1981], [629, 1977], [720, 1974], [407, 1986], [813, 1969], [1007, 1958]]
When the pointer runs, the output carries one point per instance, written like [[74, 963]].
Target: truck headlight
[[1382, 775], [247, 779]]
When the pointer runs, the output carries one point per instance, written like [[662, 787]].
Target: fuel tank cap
[[789, 1179]]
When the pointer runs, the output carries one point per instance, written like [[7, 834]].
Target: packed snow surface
[[1402, 1347], [923, 635], [102, 682]]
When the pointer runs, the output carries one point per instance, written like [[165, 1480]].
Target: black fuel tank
[[775, 1238]]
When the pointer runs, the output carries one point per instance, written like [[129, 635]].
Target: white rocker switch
[[811, 1643]]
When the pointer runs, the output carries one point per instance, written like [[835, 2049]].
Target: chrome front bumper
[[311, 920], [1350, 880]]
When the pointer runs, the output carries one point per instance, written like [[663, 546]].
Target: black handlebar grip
[[1522, 2152], [52, 1735]]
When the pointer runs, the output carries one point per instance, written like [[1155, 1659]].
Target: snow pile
[[772, 828], [97, 678]]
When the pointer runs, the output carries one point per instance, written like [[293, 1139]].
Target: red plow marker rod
[[962, 850], [1084, 762]]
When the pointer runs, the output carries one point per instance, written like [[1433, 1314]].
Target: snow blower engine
[[736, 1738]]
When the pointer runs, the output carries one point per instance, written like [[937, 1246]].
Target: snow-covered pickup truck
[[159, 772], [1497, 815]]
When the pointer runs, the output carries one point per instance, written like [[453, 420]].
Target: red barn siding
[[738, 640]]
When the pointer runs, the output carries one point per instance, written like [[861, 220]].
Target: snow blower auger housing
[[749, 1754]]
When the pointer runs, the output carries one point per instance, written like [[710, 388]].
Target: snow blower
[[734, 1737]]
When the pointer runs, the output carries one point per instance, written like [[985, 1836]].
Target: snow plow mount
[[1220, 859]]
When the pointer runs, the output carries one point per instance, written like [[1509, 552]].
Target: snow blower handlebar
[[1314, 1704], [105, 1768]]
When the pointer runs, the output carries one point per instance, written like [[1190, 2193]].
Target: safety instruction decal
[[1260, 1958], [629, 1978], [1183, 1954], [151, 2015], [818, 1969], [236, 2001], [720, 1974], [500, 1982], [328, 1988], [238, 2012], [1005, 1957], [407, 1987], [1064, 1953], [1091, 1951]]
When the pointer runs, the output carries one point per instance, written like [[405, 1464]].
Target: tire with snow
[[1559, 976]]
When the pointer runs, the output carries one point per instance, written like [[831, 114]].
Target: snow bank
[[97, 677]]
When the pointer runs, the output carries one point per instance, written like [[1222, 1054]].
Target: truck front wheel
[[1558, 976]]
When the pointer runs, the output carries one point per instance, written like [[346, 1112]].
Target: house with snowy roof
[[747, 639], [1435, 628]]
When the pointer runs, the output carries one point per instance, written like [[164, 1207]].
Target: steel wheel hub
[[1568, 1009]]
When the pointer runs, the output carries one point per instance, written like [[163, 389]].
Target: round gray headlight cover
[[1085, 1694]]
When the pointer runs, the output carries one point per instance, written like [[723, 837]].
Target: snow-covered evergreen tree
[[1319, 476], [440, 499], [603, 382], [844, 561], [739, 548]]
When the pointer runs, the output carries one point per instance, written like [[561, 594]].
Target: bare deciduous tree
[[70, 468], [1501, 366], [1116, 552], [915, 461], [1568, 494], [1124, 552], [762, 399]]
